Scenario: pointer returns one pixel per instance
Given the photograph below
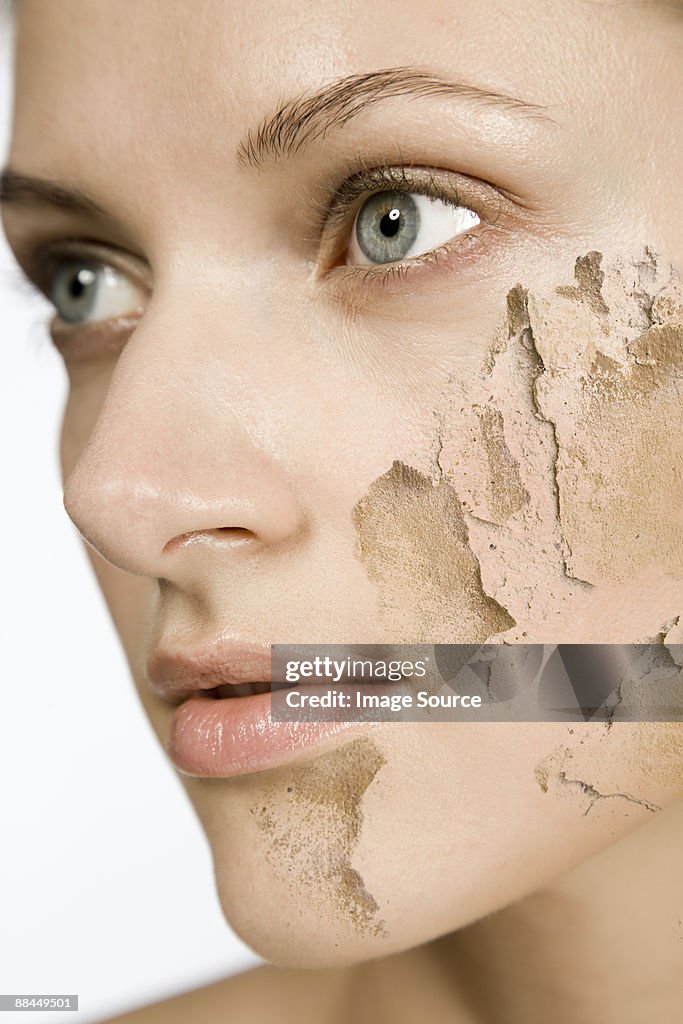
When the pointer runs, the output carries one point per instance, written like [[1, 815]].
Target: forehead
[[165, 72], [146, 103], [164, 67]]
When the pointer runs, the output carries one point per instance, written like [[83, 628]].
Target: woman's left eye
[[395, 225], [84, 291]]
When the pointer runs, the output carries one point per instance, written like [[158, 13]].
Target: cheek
[[88, 386], [130, 600], [466, 818]]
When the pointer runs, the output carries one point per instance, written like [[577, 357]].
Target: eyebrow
[[296, 123], [310, 116], [24, 188]]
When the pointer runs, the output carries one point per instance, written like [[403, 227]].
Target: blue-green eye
[[83, 291], [394, 226]]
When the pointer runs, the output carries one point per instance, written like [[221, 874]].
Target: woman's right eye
[[84, 291]]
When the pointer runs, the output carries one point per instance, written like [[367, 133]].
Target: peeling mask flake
[[413, 540]]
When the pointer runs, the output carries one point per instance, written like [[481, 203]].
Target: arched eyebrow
[[295, 124], [310, 116]]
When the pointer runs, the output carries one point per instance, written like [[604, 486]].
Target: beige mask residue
[[414, 541], [313, 832], [621, 769]]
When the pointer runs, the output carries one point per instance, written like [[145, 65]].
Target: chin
[[297, 907], [289, 929]]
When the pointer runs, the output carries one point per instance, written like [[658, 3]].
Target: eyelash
[[369, 180]]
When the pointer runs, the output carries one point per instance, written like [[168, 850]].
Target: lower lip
[[218, 738]]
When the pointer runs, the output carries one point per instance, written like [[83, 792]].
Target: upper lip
[[174, 674]]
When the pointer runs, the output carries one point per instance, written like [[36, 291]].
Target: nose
[[184, 452]]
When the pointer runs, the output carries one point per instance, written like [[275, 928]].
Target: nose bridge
[[183, 449]]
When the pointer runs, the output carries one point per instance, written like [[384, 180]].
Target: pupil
[[390, 223], [79, 282], [76, 288]]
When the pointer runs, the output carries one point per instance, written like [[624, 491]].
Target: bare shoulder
[[258, 996]]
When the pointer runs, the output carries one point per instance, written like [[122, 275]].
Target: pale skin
[[245, 385]]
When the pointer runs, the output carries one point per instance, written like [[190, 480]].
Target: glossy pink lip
[[217, 737]]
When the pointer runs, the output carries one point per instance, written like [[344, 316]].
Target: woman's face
[[370, 356]]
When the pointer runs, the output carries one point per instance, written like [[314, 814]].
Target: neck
[[603, 943]]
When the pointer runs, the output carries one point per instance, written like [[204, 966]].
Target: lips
[[238, 690], [222, 725], [222, 668]]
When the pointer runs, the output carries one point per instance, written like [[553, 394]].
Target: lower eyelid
[[94, 341], [460, 253], [408, 261]]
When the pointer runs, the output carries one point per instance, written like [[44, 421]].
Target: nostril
[[232, 535]]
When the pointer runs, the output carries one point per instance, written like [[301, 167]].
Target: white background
[[106, 885]]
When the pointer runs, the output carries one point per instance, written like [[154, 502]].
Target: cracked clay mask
[[553, 510]]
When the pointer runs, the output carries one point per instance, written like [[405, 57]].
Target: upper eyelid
[[401, 178], [48, 257]]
